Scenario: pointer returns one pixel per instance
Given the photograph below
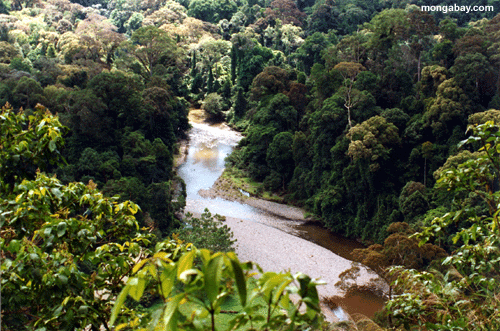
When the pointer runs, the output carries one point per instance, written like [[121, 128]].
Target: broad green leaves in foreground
[[194, 286]]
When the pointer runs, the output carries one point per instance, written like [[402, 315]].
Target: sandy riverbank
[[265, 243], [267, 237]]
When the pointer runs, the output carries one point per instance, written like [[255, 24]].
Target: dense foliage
[[462, 293], [351, 109], [67, 251], [193, 287], [65, 248], [372, 113], [207, 232]]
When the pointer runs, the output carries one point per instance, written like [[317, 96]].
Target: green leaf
[[184, 277], [57, 193], [307, 289], [185, 263], [272, 282], [137, 289], [139, 265], [63, 279], [277, 292], [285, 301], [14, 246], [52, 145], [167, 279], [213, 275], [61, 229], [170, 316], [241, 284], [83, 309], [205, 255], [118, 304]]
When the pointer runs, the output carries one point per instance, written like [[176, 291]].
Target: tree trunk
[[419, 67], [425, 170]]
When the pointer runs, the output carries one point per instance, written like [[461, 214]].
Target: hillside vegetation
[[378, 118]]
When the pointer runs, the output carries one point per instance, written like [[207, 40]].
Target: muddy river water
[[204, 163]]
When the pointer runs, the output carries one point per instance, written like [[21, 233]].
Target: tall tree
[[349, 71], [152, 46], [422, 26]]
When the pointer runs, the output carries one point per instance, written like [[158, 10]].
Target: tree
[[285, 11], [158, 115], [399, 248], [278, 113], [240, 103], [89, 117], [397, 117], [474, 73], [153, 46], [65, 248], [27, 92], [310, 52], [280, 156], [413, 200], [105, 34], [18, 63], [351, 48], [427, 148], [134, 22], [373, 140], [270, 81], [485, 116], [208, 232], [432, 77], [161, 207], [422, 26], [213, 105], [120, 92], [463, 289], [349, 71], [212, 11], [351, 17], [298, 97], [387, 28], [7, 52], [472, 42], [448, 109], [3, 8], [322, 19], [211, 51]]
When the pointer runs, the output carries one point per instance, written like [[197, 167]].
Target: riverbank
[[275, 250], [268, 233], [274, 240]]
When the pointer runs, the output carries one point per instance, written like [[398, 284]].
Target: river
[[208, 146]]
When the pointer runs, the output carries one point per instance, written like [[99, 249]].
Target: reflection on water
[[340, 313], [208, 147], [207, 154]]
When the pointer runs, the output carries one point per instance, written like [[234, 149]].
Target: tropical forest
[[374, 121]]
